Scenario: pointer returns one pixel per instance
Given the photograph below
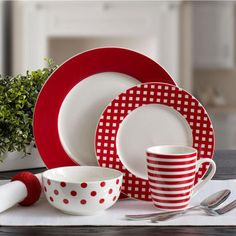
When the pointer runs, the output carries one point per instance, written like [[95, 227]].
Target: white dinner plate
[[81, 110], [74, 96]]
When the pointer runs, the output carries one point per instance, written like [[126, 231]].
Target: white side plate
[[147, 126]]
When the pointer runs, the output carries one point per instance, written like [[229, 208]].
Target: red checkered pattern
[[143, 94]]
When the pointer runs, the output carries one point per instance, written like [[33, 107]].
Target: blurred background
[[194, 41]]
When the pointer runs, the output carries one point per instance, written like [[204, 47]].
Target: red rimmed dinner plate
[[73, 98], [147, 115]]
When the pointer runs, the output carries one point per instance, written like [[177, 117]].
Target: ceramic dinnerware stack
[[107, 107]]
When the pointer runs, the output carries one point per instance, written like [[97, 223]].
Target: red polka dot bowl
[[82, 190]]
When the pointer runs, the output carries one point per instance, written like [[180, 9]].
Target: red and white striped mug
[[171, 175]]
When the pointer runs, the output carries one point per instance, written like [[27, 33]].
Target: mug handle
[[201, 183]]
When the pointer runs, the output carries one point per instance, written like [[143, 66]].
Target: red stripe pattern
[[143, 94], [171, 208], [166, 193]]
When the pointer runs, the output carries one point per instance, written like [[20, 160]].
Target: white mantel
[[35, 22]]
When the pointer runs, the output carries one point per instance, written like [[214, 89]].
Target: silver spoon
[[210, 202], [209, 211]]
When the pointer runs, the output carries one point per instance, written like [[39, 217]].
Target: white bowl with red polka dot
[[82, 190]]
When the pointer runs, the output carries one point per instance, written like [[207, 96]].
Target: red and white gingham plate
[[182, 103]]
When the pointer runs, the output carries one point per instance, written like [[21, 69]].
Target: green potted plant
[[18, 95]]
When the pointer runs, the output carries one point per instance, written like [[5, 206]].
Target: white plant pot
[[18, 161]]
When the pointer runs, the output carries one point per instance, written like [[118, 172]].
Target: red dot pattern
[[49, 182], [101, 201], [84, 185], [66, 201], [108, 189], [83, 201], [73, 193], [56, 192], [93, 193]]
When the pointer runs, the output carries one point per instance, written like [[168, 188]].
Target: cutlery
[[222, 210], [208, 211], [210, 202]]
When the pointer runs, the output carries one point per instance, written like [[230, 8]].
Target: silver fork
[[210, 212]]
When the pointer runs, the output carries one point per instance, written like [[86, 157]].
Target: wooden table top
[[226, 169]]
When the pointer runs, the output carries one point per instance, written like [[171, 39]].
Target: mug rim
[[170, 150]]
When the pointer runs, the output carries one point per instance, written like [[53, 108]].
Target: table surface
[[226, 169]]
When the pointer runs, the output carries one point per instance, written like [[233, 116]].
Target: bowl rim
[[47, 174]]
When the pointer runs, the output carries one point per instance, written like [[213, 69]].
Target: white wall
[[145, 45], [155, 22]]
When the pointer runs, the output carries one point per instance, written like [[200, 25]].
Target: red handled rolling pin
[[25, 189]]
